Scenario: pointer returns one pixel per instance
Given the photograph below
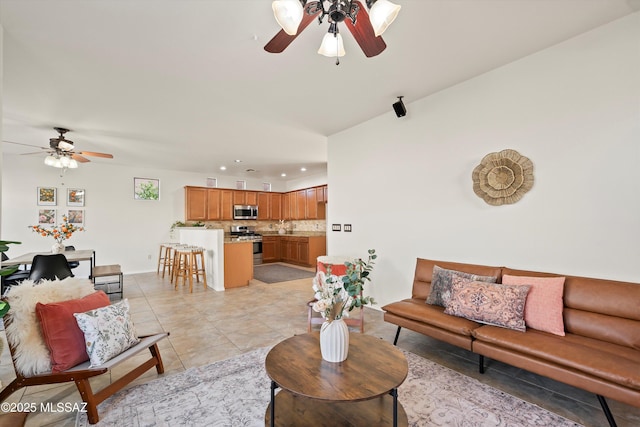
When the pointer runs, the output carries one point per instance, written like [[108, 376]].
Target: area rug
[[236, 392], [274, 273]]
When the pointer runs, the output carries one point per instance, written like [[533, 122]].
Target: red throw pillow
[[61, 333]]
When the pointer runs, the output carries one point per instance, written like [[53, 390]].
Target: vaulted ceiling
[[186, 84]]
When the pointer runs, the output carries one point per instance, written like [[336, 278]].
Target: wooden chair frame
[[82, 373]]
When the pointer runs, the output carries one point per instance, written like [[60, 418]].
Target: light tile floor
[[207, 326]]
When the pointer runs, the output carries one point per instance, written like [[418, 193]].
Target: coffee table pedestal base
[[292, 410]]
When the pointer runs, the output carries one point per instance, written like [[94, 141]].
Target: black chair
[[72, 264], [13, 278], [49, 267]]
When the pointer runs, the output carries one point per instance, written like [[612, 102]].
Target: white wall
[[573, 109], [121, 230]]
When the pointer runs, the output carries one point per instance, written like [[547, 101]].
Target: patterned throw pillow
[[108, 331], [490, 303], [441, 284]]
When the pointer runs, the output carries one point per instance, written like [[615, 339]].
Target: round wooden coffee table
[[362, 390]]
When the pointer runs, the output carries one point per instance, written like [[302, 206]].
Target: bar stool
[[167, 258], [162, 256], [189, 262]]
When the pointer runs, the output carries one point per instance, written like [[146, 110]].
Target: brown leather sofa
[[600, 352]]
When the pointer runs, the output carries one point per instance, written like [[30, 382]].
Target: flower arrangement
[[60, 233], [337, 296]]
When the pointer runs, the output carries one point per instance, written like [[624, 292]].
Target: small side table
[[114, 286]]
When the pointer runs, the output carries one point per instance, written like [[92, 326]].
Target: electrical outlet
[[347, 228], [335, 227], [149, 257]]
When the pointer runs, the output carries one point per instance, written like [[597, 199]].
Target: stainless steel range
[[247, 232]]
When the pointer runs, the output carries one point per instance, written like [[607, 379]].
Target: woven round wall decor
[[503, 178]]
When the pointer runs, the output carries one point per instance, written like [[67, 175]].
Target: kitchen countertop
[[295, 234]]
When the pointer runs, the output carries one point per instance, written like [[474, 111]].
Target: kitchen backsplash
[[272, 226]]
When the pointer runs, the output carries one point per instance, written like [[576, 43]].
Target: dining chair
[[72, 264], [13, 278], [49, 267]]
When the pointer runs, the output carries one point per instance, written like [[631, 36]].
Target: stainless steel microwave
[[245, 212]]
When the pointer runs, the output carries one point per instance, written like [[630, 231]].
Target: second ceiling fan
[[296, 15]]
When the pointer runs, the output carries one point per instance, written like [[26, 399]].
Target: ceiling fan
[[296, 15], [61, 152]]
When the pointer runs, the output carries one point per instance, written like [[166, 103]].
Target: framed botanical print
[[75, 197], [76, 217], [47, 216], [47, 196], [146, 189]]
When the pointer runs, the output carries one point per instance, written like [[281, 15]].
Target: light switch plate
[[347, 228], [335, 227]]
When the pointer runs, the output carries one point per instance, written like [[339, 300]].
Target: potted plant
[[5, 271]]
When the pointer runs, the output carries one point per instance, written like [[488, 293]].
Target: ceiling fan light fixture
[[65, 161], [50, 161], [332, 44], [65, 146], [73, 164], [288, 14], [382, 13]]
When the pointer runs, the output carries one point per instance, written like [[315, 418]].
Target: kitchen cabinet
[[226, 204], [213, 204], [275, 205], [243, 197], [301, 204], [271, 251], [264, 206], [311, 203], [286, 207], [301, 250], [195, 203]]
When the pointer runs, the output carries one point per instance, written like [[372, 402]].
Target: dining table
[[72, 255]]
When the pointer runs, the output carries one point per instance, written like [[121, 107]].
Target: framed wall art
[[47, 216], [146, 189], [76, 217], [75, 197], [47, 196]]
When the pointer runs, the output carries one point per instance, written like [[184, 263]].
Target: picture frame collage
[[47, 197]]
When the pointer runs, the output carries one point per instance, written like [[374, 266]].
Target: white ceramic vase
[[57, 248], [334, 341]]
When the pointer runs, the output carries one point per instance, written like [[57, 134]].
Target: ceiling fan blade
[[26, 145], [32, 153], [79, 158], [282, 40], [363, 32], [94, 154]]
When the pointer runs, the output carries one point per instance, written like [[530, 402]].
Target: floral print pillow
[[490, 303], [441, 284], [108, 331]]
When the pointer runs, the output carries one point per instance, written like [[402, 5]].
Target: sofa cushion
[[30, 353], [543, 310], [491, 303], [611, 362], [442, 280], [64, 339], [108, 331], [416, 309]]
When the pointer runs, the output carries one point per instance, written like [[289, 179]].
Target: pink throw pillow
[[61, 333], [543, 309]]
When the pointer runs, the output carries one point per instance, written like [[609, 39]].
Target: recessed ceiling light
[[283, 174], [238, 161], [223, 168], [303, 169]]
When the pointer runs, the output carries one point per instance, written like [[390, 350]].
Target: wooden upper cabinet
[[226, 204], [251, 197], [275, 206], [213, 204], [301, 202], [312, 203], [195, 203], [264, 206], [239, 197], [286, 206]]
